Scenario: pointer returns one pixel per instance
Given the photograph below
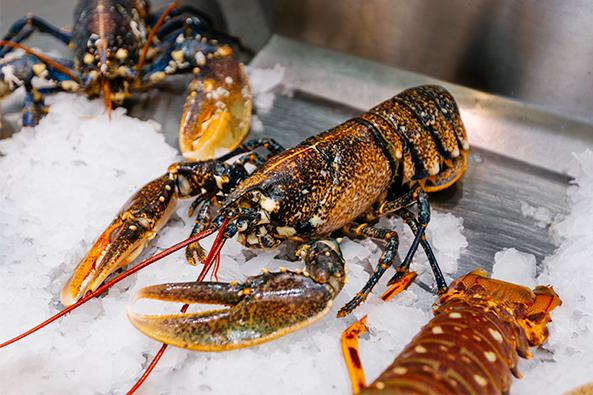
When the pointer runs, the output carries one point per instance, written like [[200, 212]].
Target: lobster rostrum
[[480, 328], [120, 46]]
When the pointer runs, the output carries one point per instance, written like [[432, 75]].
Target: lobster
[[119, 46], [472, 345], [338, 183]]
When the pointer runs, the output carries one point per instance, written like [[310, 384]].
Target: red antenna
[[213, 254], [109, 284], [152, 33]]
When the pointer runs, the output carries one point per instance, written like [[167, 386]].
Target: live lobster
[[120, 46], [480, 328], [338, 183]]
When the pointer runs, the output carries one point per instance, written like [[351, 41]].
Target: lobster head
[[107, 63], [530, 309]]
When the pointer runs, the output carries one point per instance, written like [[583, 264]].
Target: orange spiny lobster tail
[[471, 346]]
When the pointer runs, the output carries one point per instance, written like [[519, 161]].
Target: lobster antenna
[[152, 33], [109, 284], [50, 62], [106, 88], [213, 254]]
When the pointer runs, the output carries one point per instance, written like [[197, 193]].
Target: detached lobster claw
[[217, 112], [262, 308], [123, 240]]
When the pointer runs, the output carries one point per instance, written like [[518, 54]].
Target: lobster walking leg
[[403, 275], [262, 308], [194, 252], [27, 25], [387, 258], [412, 223], [34, 107], [21, 70], [419, 197]]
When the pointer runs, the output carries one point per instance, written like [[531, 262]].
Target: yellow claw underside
[[170, 329], [217, 113]]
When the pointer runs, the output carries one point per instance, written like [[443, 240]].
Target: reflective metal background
[[540, 52]]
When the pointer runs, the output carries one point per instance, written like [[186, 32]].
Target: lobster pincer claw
[[262, 308], [123, 240], [217, 111]]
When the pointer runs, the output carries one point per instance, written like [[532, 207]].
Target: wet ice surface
[[265, 84], [515, 267], [61, 185], [568, 358]]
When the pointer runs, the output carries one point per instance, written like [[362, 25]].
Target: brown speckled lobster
[[480, 328], [340, 182], [120, 46]]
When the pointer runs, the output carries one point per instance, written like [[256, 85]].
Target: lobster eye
[[183, 185]]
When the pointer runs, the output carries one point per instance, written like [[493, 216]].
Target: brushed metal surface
[[540, 52], [505, 126]]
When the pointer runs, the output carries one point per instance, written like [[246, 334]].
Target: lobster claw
[[123, 240], [261, 309], [217, 111]]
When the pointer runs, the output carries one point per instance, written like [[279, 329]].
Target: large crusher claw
[[262, 308], [217, 112]]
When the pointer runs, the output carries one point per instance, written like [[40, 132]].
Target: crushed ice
[[566, 360]]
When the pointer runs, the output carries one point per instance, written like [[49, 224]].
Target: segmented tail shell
[[473, 343], [423, 128]]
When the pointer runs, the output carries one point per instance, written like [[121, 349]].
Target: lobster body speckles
[[472, 345], [327, 181], [101, 29], [323, 183]]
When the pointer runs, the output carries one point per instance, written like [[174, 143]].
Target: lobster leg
[[25, 26], [387, 258], [195, 253], [20, 71], [262, 308], [34, 107], [418, 226], [412, 223], [349, 344]]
